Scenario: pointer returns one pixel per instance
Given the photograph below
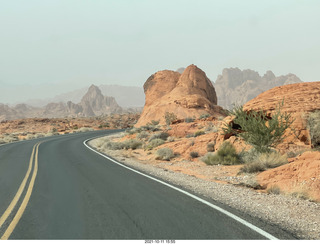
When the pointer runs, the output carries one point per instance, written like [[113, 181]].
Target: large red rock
[[300, 176], [189, 94], [298, 100]]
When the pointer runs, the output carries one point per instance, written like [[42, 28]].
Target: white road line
[[231, 215]]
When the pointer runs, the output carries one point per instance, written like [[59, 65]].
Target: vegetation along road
[[57, 188]]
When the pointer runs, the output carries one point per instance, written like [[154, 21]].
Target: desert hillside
[[195, 143]]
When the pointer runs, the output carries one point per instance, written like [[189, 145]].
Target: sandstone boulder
[[189, 94], [298, 100]]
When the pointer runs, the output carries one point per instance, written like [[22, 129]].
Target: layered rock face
[[237, 86], [298, 100], [186, 95]]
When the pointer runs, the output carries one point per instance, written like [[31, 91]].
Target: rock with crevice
[[189, 94]]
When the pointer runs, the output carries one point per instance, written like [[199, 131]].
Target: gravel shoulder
[[297, 216]]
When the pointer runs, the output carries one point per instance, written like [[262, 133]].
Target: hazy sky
[[51, 46]]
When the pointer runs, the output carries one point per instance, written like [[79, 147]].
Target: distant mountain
[[235, 86], [93, 103], [126, 96]]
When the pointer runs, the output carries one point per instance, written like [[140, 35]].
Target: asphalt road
[[72, 192]]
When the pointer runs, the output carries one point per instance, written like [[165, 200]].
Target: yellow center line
[[26, 199], [19, 192]]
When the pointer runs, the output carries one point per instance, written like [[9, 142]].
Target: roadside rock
[[189, 94]]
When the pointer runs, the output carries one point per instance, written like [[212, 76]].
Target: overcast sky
[[54, 46]]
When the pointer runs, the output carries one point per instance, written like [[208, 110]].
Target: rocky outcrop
[[189, 94], [94, 103], [301, 176], [237, 86], [298, 100]]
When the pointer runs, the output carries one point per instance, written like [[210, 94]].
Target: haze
[[51, 47]]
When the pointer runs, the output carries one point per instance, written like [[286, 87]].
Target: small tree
[[258, 129], [169, 117]]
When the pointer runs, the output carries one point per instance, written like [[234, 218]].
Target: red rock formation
[[299, 99], [300, 176], [186, 95]]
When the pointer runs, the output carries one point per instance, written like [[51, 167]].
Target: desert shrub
[[161, 135], [132, 144], [210, 147], [250, 180], [104, 125], [253, 167], [211, 128], [194, 154], [274, 189], [257, 162], [189, 135], [199, 133], [204, 116], [84, 129], [301, 194], [189, 120], [150, 127], [155, 122], [143, 135], [170, 139], [8, 139], [154, 143], [169, 117], [226, 155], [133, 130], [313, 124], [165, 154], [114, 145], [259, 130]]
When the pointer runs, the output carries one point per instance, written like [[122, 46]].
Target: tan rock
[[189, 94], [298, 100], [300, 176]]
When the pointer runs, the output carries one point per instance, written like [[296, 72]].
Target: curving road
[[57, 188]]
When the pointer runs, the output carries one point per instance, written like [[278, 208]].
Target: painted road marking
[[231, 215], [17, 217]]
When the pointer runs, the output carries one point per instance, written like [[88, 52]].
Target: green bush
[[132, 144], [189, 120], [204, 116], [258, 162], [258, 129], [199, 133], [114, 145], [154, 122], [154, 143], [133, 130], [313, 123], [274, 189], [161, 135], [210, 147], [169, 117], [150, 127], [226, 155], [143, 135], [165, 154], [194, 154]]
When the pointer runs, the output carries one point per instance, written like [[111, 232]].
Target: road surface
[[57, 188]]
